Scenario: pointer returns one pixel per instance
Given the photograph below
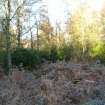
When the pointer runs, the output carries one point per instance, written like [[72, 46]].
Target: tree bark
[[18, 26], [8, 37]]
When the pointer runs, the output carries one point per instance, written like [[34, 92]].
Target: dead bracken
[[66, 84]]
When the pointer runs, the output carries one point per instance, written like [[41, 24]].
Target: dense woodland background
[[52, 52], [29, 39]]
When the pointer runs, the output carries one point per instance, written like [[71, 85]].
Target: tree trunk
[[18, 26], [32, 46], [8, 37], [19, 32], [37, 33]]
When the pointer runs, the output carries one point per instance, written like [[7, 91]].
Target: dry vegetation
[[59, 84]]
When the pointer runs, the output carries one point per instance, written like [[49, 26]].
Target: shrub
[[56, 54], [2, 56], [44, 55], [26, 57], [3, 61], [98, 52], [68, 52], [59, 54]]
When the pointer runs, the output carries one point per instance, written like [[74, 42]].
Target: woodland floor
[[54, 84]]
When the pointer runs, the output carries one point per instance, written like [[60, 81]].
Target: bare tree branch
[[29, 29], [17, 9], [34, 2]]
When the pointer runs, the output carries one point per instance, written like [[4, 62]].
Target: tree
[[46, 30], [6, 30], [84, 31], [12, 14], [19, 26]]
